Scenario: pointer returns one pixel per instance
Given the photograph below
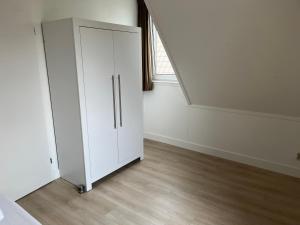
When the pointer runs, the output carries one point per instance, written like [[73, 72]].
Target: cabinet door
[[130, 98], [98, 66]]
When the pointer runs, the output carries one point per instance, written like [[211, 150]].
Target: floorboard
[[173, 186]]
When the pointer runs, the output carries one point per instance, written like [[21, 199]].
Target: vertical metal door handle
[[114, 100], [120, 100]]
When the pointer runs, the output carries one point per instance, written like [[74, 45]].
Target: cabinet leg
[[88, 187]]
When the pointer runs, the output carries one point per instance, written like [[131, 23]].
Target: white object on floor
[[13, 214], [1, 215]]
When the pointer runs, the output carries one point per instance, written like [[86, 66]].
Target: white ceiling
[[238, 54]]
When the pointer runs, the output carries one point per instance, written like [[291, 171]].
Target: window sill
[[166, 82]]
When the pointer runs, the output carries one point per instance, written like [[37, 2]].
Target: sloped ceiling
[[238, 54]]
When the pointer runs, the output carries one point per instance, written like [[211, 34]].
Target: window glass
[[162, 67]]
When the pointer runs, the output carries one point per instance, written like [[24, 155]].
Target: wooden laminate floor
[[173, 187]]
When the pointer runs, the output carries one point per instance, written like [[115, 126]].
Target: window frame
[[158, 77]]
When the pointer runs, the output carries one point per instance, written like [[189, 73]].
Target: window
[[162, 68]]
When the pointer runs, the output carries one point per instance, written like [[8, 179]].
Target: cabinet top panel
[[77, 22]]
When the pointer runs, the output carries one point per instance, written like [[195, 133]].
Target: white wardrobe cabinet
[[95, 83]]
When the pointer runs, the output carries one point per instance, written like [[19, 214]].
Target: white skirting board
[[225, 154]]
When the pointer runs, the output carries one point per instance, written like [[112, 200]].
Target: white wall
[[26, 131], [263, 140], [238, 54], [113, 11], [26, 137]]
